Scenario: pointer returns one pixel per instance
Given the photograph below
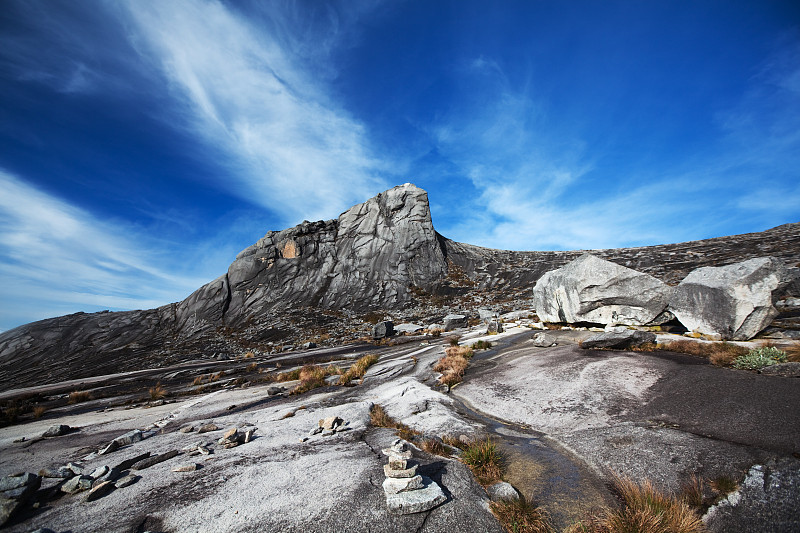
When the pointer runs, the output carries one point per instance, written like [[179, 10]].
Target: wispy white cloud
[[540, 188], [56, 258], [244, 91]]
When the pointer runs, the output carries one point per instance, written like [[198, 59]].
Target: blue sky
[[144, 143]]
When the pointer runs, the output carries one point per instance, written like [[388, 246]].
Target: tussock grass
[[692, 492], [435, 447], [724, 485], [520, 516], [358, 369], [198, 380], [312, 377], [453, 364], [79, 396], [718, 353], [793, 353], [252, 367], [644, 510], [481, 345], [39, 411], [453, 340], [157, 391], [378, 417], [484, 459]]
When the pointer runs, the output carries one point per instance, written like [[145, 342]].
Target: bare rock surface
[[766, 501], [591, 289]]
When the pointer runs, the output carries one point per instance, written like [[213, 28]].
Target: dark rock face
[[618, 340], [382, 254]]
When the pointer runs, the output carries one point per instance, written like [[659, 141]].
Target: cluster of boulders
[[406, 491], [74, 478], [732, 302]]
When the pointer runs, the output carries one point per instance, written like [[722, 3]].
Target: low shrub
[[484, 459], [520, 516], [759, 358], [453, 340], [481, 345]]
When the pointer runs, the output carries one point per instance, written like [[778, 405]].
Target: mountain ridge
[[382, 255]]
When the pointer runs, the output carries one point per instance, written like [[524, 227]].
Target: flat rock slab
[[397, 485], [416, 501]]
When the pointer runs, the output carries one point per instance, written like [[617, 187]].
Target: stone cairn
[[406, 491]]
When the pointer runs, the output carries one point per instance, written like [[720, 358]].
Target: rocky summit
[[368, 374]]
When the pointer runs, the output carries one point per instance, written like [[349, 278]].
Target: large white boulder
[[590, 289], [730, 302]]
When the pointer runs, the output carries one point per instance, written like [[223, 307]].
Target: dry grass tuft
[[645, 347], [39, 411], [453, 364], [435, 447], [252, 367], [311, 377], [358, 369], [792, 353], [485, 461], [378, 417], [290, 414], [692, 492], [199, 380], [520, 516], [718, 353], [79, 396], [249, 355], [724, 485], [157, 392], [644, 510]]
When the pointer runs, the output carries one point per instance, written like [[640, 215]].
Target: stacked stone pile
[[406, 491]]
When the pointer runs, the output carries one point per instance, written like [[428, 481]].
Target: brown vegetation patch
[[79, 396], [358, 369], [644, 509], [520, 516], [378, 417], [718, 353], [453, 364]]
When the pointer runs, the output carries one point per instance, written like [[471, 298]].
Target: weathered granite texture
[[590, 289], [732, 302]]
